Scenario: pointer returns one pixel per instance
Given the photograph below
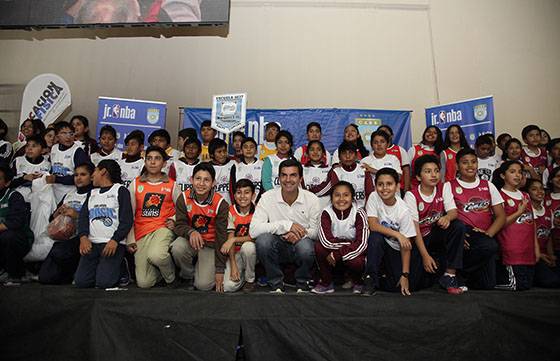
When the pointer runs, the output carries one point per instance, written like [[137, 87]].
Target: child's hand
[[70, 212], [403, 282], [110, 248], [226, 247], [404, 242], [50, 179], [557, 222], [85, 246], [429, 264], [331, 260], [132, 248], [522, 206], [234, 274], [443, 222], [170, 224], [290, 237], [368, 168], [30, 177]]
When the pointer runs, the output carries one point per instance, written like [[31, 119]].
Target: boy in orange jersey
[[240, 247], [202, 216], [152, 195]]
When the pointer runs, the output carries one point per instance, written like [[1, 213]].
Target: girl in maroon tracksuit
[[552, 201], [343, 238], [519, 249]]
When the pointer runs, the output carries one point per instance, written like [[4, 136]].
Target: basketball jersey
[[357, 178], [98, 157], [486, 168], [543, 223], [537, 161], [251, 172], [222, 179], [314, 175], [552, 202], [419, 150], [174, 155], [62, 164], [154, 205], [203, 216], [345, 228], [104, 214], [396, 150], [266, 150], [183, 174], [241, 223], [450, 164], [517, 240], [75, 200], [473, 205], [429, 213], [275, 162], [129, 171], [24, 167]]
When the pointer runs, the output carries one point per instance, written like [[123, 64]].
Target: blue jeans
[[95, 270], [272, 250]]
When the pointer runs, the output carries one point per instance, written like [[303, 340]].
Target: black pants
[[479, 260], [61, 262], [546, 276], [13, 247], [94, 270], [514, 278], [446, 248], [384, 264]]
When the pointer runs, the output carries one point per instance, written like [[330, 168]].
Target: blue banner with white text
[[332, 122], [126, 115], [475, 116]]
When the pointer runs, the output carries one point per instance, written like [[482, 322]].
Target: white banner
[[229, 112]]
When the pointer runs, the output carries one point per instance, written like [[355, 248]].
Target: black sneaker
[[175, 284], [303, 287], [369, 288], [450, 284], [188, 284]]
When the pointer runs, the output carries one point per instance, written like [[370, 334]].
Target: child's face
[[430, 136], [3, 182], [154, 162], [283, 146], [379, 146], [237, 143], [82, 177], [66, 137], [270, 134], [429, 175], [468, 167], [347, 157], [180, 142], [536, 192], [220, 155], [341, 198], [556, 183], [107, 142], [243, 196], [98, 176], [134, 147], [49, 138], [33, 150], [503, 141], [315, 152], [533, 138], [207, 134], [160, 142], [513, 175], [249, 150], [555, 152], [484, 150], [514, 151], [314, 133], [202, 183], [27, 128], [386, 187], [79, 128], [350, 134], [191, 150], [544, 138], [454, 135]]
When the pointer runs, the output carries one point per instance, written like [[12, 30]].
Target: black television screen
[[84, 13]]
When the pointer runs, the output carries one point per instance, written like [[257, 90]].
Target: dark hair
[[501, 137], [529, 128], [205, 166], [160, 133], [38, 126], [359, 143], [498, 181], [85, 122], [87, 166], [237, 133], [244, 183], [484, 139], [216, 144], [206, 123], [387, 171], [552, 143], [113, 168], [438, 144], [270, 125], [291, 162], [529, 182], [155, 148], [425, 159], [249, 140], [108, 129], [190, 140], [347, 146], [508, 143], [311, 125], [7, 171], [379, 133], [389, 129], [135, 134], [547, 134], [552, 174], [462, 139], [344, 184], [463, 153], [62, 125], [316, 142], [285, 134], [3, 129], [37, 138], [188, 133]]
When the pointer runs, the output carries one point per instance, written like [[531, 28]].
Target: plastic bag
[[42, 206], [61, 228]]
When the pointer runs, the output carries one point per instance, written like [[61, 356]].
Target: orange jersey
[[241, 223], [154, 205], [203, 216]]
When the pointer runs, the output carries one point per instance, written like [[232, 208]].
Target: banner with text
[[475, 116], [126, 115], [332, 122]]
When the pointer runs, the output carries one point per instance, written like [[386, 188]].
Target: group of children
[[393, 219]]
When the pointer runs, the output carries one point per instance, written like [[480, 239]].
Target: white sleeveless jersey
[[346, 228], [313, 176], [129, 171], [275, 174], [183, 174], [103, 214], [62, 164], [114, 155], [23, 166], [251, 172], [357, 178], [75, 200], [222, 179]]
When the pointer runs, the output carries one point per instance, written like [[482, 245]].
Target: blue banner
[[332, 123], [126, 115], [475, 116]]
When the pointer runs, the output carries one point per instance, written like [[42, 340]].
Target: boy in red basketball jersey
[[202, 216], [479, 207]]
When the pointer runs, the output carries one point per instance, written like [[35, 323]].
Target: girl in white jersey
[[108, 149], [224, 167], [181, 170], [315, 171], [30, 166], [105, 220], [132, 162], [270, 176], [249, 166]]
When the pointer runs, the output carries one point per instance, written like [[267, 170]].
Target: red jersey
[[450, 164], [517, 241], [474, 206], [203, 216], [241, 223], [154, 205], [429, 213], [419, 151], [554, 206], [396, 151], [543, 223], [305, 159], [539, 162]]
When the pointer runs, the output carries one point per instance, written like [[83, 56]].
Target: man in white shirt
[[285, 226]]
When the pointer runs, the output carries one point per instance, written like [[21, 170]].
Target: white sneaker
[[278, 291], [347, 285]]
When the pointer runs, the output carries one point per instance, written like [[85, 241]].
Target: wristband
[[405, 274]]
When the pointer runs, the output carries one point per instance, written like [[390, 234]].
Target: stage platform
[[64, 323]]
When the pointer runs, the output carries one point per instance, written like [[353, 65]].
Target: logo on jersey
[[484, 173], [543, 232], [200, 223], [242, 230], [458, 190], [152, 205], [103, 214], [477, 205], [511, 202], [525, 218]]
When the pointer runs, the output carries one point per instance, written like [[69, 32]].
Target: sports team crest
[[480, 112]]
